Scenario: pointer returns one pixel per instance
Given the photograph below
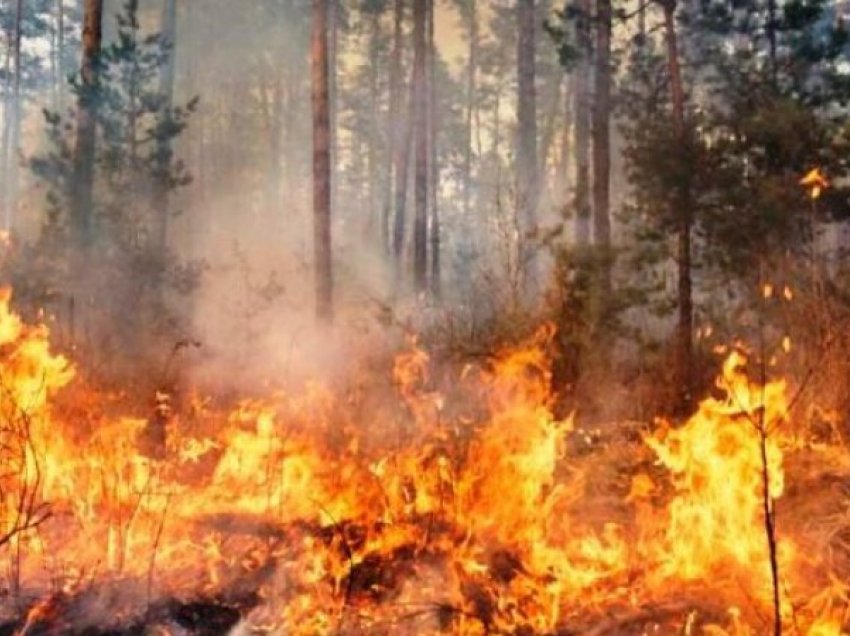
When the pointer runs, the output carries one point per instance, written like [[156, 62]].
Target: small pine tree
[[134, 125]]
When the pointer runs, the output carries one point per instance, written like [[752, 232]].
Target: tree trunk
[[82, 184], [5, 144], [402, 155], [563, 180], [471, 76], [375, 213], [526, 146], [547, 134], [333, 56], [394, 133], [401, 177], [14, 149], [321, 162], [164, 150], [602, 140], [60, 53], [771, 40], [581, 112], [433, 168], [419, 107], [683, 201]]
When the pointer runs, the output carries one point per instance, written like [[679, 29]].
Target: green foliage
[[133, 166], [136, 127], [754, 128]]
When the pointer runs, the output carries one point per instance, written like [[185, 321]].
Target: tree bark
[[375, 212], [82, 184], [13, 151], [552, 110], [581, 112], [471, 81], [5, 144], [404, 139], [563, 179], [526, 147], [419, 107], [321, 162], [433, 167], [394, 133], [60, 53], [683, 201], [601, 125], [401, 178], [333, 56]]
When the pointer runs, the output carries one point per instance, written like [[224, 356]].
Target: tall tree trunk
[[563, 180], [164, 149], [13, 151], [551, 119], [683, 201], [419, 107], [333, 56], [5, 144], [471, 77], [375, 211], [402, 165], [771, 40], [581, 111], [433, 168], [403, 146], [602, 139], [321, 162], [60, 53], [526, 145], [82, 184], [394, 133], [54, 67]]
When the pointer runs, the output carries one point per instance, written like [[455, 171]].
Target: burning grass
[[468, 510]]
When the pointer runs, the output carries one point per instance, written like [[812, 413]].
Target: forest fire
[[419, 317], [474, 512]]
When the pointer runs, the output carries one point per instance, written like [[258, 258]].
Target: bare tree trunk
[[54, 66], [375, 213], [82, 185], [333, 56], [402, 154], [60, 53], [394, 135], [526, 146], [563, 180], [471, 77], [433, 168], [419, 107], [164, 149], [771, 39], [5, 145], [683, 201], [602, 138], [13, 151], [401, 178], [581, 110], [547, 134], [321, 162]]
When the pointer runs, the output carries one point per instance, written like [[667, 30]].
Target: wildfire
[[437, 515]]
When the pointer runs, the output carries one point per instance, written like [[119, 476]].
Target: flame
[[715, 518], [815, 182], [431, 514]]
